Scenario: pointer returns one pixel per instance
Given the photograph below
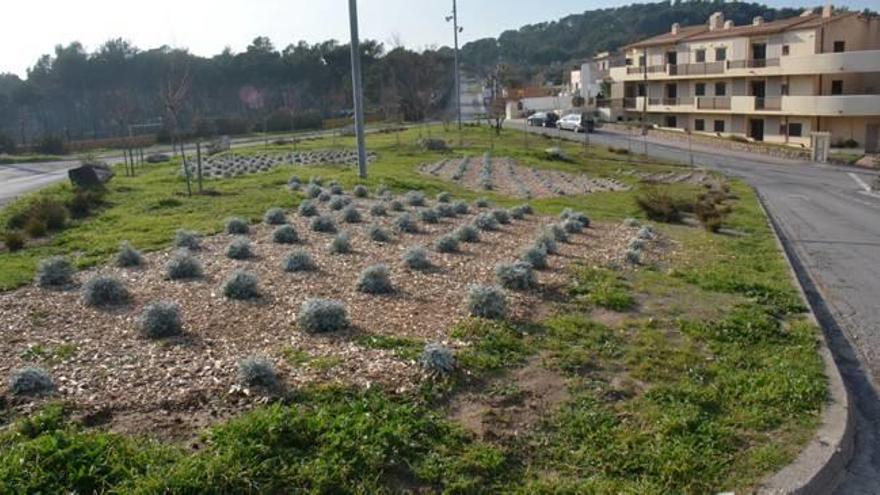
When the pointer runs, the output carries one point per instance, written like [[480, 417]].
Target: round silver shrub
[[416, 258], [467, 233], [633, 256], [527, 209], [547, 243], [241, 286], [336, 203], [237, 226], [375, 279], [30, 381], [518, 275], [341, 244], [429, 215], [313, 190], [360, 191], [516, 213], [437, 359], [536, 257], [461, 208], [487, 301], [275, 216], [323, 224], [444, 197], [128, 256], [299, 261], [257, 372], [486, 221], [187, 239], [160, 320], [377, 234], [294, 179], [558, 232], [482, 203], [285, 234], [501, 216], [572, 226], [183, 266], [632, 222], [382, 191], [324, 197], [239, 249], [406, 223], [378, 210], [351, 215], [105, 291], [646, 233], [445, 210], [322, 315], [54, 272], [637, 244], [446, 244], [335, 188], [308, 208], [396, 205], [415, 198]]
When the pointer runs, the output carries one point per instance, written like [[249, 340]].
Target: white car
[[571, 122]]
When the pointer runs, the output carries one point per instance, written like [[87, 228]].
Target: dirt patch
[[504, 175]]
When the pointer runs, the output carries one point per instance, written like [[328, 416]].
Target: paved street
[[833, 225]]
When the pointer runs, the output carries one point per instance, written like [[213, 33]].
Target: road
[[832, 223]]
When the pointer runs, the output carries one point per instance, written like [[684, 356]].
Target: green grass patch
[[602, 287]]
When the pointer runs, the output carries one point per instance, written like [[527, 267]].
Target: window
[[837, 87], [671, 121], [720, 89], [795, 129], [719, 126], [700, 89], [700, 56], [720, 54], [628, 62], [784, 89], [785, 49], [839, 46], [699, 125], [641, 90], [642, 61]]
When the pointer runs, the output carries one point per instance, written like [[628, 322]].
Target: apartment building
[[776, 82]]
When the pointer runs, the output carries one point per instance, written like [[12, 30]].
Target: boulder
[[433, 144], [158, 158], [90, 175]]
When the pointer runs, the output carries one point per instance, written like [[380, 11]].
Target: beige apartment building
[[776, 82]]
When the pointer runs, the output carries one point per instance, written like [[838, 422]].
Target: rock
[[158, 158], [433, 144], [556, 153], [90, 175], [219, 146]]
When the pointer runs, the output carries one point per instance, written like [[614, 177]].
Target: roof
[[702, 32]]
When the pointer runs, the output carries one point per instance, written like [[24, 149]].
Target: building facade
[[775, 82]]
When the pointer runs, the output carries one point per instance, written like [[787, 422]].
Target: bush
[[241, 286], [444, 197], [51, 145], [336, 203], [547, 243], [645, 233], [341, 244], [335, 188], [437, 359], [237, 226], [323, 224], [183, 266], [486, 302], [51, 212], [416, 258], [501, 216], [239, 249], [375, 279], [351, 215], [572, 226], [429, 215], [35, 228], [467, 233], [84, 201], [275, 216], [460, 208], [536, 257], [285, 234], [378, 234], [128, 256], [322, 315], [569, 214], [632, 222], [299, 261], [313, 191], [486, 221], [527, 209], [160, 320], [637, 244], [54, 272], [446, 244], [516, 276], [187, 239], [104, 291], [558, 232], [378, 210], [307, 208], [294, 180], [445, 210], [516, 213], [633, 256], [482, 203], [415, 198], [659, 206], [324, 197], [396, 205], [711, 214], [13, 241], [360, 191], [257, 372], [405, 223], [30, 381]]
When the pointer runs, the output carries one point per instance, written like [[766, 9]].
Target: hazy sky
[[30, 28]]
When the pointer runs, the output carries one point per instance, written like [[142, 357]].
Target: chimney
[[827, 11], [757, 21], [675, 28], [728, 24], [716, 21]]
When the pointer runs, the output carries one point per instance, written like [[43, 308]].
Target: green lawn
[[697, 375]]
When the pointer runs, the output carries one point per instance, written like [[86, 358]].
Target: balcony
[[830, 106], [757, 63], [701, 69], [768, 103], [713, 103]]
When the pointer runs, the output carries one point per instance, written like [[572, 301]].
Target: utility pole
[[454, 19], [358, 89]]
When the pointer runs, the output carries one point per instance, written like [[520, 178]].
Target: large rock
[[90, 175], [433, 144], [158, 158]]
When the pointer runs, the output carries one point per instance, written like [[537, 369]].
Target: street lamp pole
[[457, 69], [357, 82]]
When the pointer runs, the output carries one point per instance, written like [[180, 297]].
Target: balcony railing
[[755, 63], [650, 69], [698, 69], [713, 103], [772, 103], [629, 103], [672, 102]]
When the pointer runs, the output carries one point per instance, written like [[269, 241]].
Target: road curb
[[821, 464]]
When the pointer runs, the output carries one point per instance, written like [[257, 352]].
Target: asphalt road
[[832, 224]]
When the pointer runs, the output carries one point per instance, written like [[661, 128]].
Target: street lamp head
[[448, 18], [460, 29]]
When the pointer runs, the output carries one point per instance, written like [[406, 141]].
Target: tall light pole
[[454, 19], [356, 81]]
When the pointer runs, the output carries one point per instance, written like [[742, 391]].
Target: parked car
[[575, 122], [543, 119]]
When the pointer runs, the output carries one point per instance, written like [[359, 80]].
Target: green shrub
[[241, 286], [128, 256], [375, 279], [487, 302], [160, 320], [56, 271], [104, 291], [322, 315], [711, 214], [13, 240], [237, 226], [659, 205], [35, 228], [183, 266]]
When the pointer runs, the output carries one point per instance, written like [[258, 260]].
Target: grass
[[696, 375]]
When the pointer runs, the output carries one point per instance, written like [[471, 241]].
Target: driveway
[[832, 223]]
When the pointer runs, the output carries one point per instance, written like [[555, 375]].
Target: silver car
[[571, 122]]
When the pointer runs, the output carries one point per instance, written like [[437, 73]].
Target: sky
[[30, 28]]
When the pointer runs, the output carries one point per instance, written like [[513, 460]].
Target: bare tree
[[173, 93]]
